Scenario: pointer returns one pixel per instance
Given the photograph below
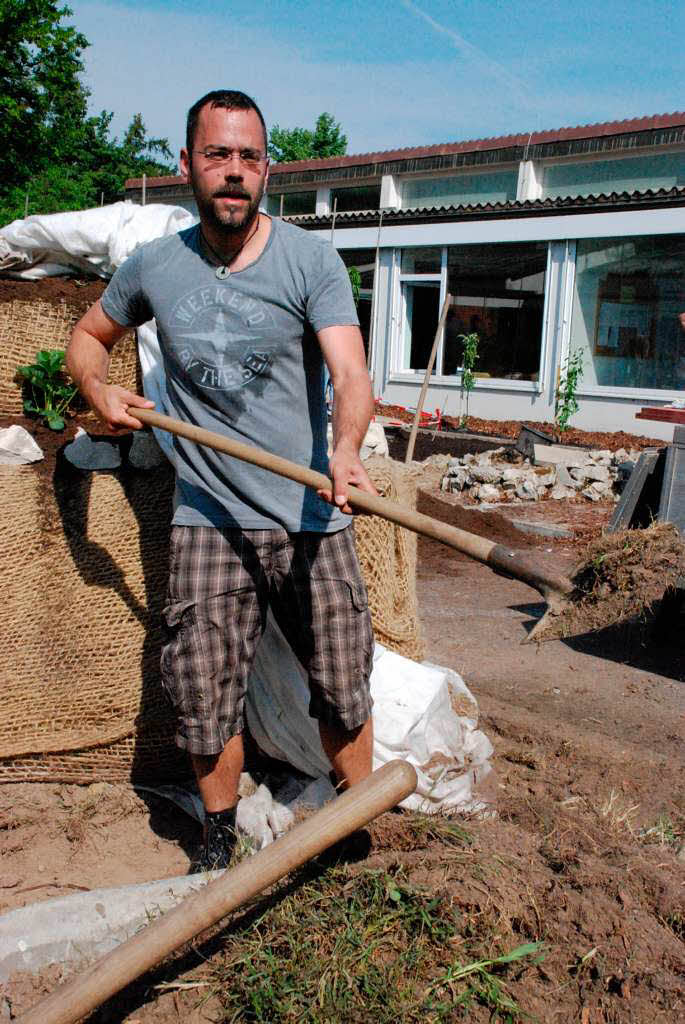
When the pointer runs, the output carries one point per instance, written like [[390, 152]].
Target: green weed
[[370, 947]]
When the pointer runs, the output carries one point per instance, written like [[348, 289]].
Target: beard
[[223, 219]]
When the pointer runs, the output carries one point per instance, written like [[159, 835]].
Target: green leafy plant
[[48, 393], [468, 380], [355, 282], [567, 389]]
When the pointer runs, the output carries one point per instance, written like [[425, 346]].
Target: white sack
[[97, 241], [414, 718]]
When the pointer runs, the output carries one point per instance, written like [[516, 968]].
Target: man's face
[[228, 191]]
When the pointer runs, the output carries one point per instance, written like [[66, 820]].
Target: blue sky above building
[[394, 74]]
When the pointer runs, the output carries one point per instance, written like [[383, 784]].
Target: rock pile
[[503, 475]]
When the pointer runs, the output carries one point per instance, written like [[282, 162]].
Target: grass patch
[[363, 947]]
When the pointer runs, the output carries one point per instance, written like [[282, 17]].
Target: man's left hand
[[346, 468]]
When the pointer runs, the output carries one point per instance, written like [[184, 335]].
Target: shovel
[[554, 587]]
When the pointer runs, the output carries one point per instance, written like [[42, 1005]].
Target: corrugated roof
[[584, 131], [562, 204]]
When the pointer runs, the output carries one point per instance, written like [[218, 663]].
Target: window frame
[[400, 374]]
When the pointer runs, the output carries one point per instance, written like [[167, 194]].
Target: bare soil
[[586, 852], [79, 293], [510, 429]]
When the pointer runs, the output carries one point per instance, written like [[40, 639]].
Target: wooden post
[[429, 369], [374, 301], [335, 210]]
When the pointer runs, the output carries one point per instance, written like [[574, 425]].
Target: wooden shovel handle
[[498, 557], [385, 788]]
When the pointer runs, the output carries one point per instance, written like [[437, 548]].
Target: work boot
[[219, 841]]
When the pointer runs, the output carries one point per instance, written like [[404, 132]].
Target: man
[[246, 307]]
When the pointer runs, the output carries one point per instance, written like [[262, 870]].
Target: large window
[[285, 204], [629, 174], [365, 197], [497, 293], [460, 189], [628, 295]]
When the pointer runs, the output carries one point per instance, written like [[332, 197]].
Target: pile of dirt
[[622, 575]]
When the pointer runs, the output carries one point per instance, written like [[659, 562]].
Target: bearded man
[[248, 310]]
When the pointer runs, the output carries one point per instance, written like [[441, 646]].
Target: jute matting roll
[[387, 555], [84, 560], [28, 327], [84, 573], [84, 564]]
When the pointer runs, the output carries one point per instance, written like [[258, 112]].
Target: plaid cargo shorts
[[221, 583]]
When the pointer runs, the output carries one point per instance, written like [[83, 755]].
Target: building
[[550, 243]]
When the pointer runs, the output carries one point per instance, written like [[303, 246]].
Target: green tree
[[49, 148], [327, 139], [42, 100]]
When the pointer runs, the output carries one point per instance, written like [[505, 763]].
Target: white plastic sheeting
[[97, 241]]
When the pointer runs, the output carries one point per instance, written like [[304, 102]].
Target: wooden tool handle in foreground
[[553, 586], [357, 807]]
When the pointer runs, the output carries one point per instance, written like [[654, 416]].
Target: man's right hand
[[110, 403]]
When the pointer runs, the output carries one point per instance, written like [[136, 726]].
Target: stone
[[541, 529], [545, 477], [578, 473], [459, 480], [599, 473], [557, 454], [84, 453], [564, 478], [560, 491], [597, 490], [527, 491], [145, 453], [487, 492], [486, 474], [17, 447]]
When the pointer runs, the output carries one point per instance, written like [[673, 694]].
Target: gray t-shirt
[[241, 358]]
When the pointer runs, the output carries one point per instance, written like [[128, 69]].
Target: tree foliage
[[49, 147], [327, 139]]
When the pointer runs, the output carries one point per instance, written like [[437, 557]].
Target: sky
[[394, 74]]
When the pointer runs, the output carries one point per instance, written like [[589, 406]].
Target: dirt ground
[[586, 852]]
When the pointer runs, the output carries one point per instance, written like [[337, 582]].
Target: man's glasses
[[217, 155]]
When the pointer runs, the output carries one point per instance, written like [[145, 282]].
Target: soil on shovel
[[577, 881]]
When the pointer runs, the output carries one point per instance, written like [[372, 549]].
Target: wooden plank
[[662, 415], [641, 495], [672, 503]]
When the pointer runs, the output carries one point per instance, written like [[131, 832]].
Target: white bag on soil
[[423, 714]]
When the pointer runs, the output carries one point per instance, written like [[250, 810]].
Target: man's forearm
[[87, 361], [352, 410]]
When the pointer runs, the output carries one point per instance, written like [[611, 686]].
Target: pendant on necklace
[[222, 273]]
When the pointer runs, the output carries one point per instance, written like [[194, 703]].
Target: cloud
[[480, 61]]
